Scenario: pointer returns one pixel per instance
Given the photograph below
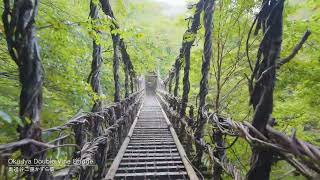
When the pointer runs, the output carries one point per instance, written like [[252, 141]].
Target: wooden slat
[[150, 154], [153, 151], [150, 168], [151, 174], [113, 169], [151, 158], [151, 147], [150, 163], [151, 139], [151, 143], [192, 174]]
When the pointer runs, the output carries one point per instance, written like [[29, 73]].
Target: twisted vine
[[206, 58], [106, 8], [94, 76], [19, 28], [192, 31], [177, 67]]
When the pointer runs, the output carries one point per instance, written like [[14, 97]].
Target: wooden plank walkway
[[152, 149]]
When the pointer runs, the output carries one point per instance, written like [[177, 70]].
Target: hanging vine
[[206, 58], [106, 8], [177, 67], [128, 68], [94, 76], [189, 38]]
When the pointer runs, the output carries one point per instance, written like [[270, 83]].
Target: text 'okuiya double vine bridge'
[[149, 134]]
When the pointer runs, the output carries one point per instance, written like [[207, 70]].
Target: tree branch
[[15, 145], [295, 49]]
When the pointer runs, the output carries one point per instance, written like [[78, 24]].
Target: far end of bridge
[[151, 149]]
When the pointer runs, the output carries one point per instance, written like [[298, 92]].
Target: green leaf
[[5, 117]]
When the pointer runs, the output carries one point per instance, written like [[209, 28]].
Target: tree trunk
[[22, 44], [262, 94], [116, 40], [125, 59], [131, 82], [218, 153]]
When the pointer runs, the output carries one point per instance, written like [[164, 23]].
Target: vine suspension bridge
[[152, 149], [152, 133]]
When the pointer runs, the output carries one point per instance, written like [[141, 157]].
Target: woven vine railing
[[87, 136], [94, 137], [268, 145], [303, 156]]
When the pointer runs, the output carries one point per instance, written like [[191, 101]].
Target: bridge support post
[[20, 31]]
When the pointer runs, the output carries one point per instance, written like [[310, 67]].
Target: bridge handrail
[[90, 149], [172, 111], [304, 156], [81, 116], [117, 116]]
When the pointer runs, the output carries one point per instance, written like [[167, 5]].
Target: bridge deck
[[152, 149]]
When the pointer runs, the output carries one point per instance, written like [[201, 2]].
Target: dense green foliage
[[64, 33], [153, 39]]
